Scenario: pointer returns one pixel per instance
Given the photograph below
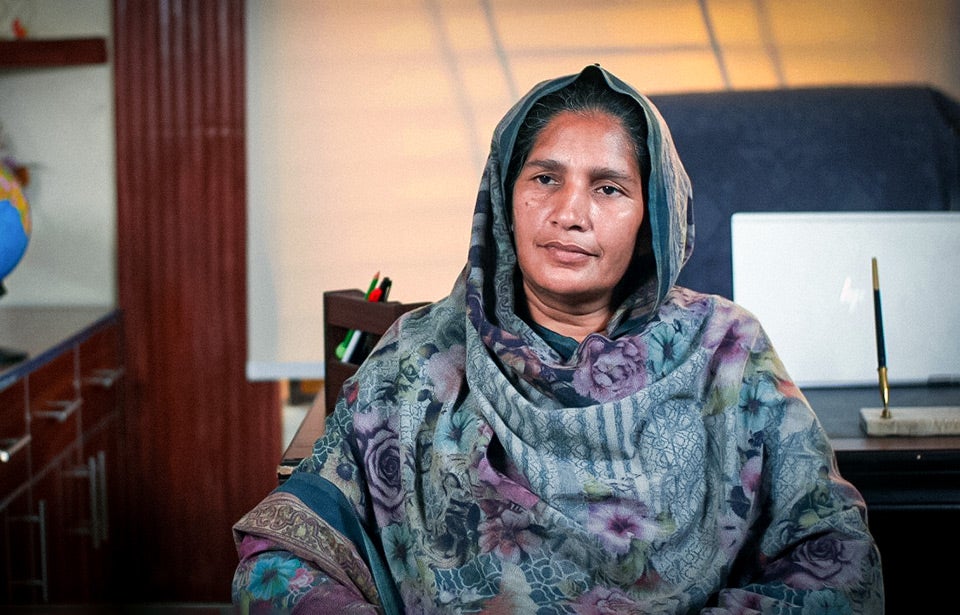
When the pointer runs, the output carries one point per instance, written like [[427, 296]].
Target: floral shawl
[[669, 466]]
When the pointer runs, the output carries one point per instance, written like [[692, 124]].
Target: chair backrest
[[894, 148]]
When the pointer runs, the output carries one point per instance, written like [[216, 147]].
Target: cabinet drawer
[[24, 522], [54, 405], [101, 374], [14, 438], [63, 409]]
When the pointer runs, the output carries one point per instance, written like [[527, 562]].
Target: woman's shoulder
[[413, 338], [687, 298], [428, 324]]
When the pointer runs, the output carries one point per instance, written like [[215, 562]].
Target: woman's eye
[[544, 179], [609, 190]]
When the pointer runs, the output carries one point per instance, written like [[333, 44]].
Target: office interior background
[[341, 118]]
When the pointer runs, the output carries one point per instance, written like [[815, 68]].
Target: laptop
[[808, 278]]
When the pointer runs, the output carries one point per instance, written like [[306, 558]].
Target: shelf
[[53, 52]]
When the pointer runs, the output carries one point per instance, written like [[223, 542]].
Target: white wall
[[368, 122], [58, 121]]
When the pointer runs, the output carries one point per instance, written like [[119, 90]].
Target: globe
[[14, 237], [14, 223]]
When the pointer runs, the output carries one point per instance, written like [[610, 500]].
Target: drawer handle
[[12, 446], [103, 513], [88, 472], [105, 378], [40, 519], [68, 408]]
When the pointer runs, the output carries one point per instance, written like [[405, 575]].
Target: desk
[[911, 485], [838, 411], [912, 489], [892, 472]]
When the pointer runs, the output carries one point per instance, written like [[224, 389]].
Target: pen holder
[[911, 421], [344, 310]]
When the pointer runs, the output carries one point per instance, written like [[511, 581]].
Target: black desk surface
[[839, 411], [892, 472]]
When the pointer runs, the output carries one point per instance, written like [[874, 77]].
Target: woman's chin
[[574, 292]]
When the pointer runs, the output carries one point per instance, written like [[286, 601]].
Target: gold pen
[[881, 346]]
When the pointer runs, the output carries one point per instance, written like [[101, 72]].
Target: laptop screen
[[808, 278]]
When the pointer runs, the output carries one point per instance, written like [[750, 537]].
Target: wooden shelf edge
[[53, 52]]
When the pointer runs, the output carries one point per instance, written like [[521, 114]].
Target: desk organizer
[[344, 310], [912, 421]]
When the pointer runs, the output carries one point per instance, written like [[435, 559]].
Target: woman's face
[[577, 209]]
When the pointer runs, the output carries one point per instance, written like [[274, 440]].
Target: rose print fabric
[[668, 466]]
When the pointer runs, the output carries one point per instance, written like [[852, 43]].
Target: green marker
[[342, 346]]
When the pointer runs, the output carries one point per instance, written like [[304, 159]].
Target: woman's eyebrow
[[611, 173], [549, 164]]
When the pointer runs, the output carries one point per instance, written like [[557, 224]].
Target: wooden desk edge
[[301, 445], [895, 443]]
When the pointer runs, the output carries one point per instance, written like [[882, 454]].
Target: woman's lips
[[567, 252]]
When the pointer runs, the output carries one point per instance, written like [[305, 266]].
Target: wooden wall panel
[[203, 442]]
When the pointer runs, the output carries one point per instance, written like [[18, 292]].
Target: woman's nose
[[572, 208]]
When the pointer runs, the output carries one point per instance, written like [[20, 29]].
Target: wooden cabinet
[[61, 414]]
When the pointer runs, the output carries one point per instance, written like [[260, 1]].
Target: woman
[[567, 431]]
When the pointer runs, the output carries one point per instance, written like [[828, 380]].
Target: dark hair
[[585, 95]]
